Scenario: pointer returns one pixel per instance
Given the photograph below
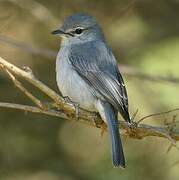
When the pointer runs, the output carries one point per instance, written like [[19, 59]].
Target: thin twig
[[156, 114], [33, 109], [59, 101], [28, 75], [24, 90], [67, 111], [137, 133]]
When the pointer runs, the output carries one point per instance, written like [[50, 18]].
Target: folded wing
[[98, 68]]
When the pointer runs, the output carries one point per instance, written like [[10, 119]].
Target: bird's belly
[[72, 85]]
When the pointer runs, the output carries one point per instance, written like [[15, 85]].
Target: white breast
[[72, 85]]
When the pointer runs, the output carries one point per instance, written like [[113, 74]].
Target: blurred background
[[144, 35]]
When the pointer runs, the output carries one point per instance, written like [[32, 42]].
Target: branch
[[24, 90], [139, 132], [66, 110], [59, 101]]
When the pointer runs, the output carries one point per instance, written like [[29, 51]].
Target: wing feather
[[98, 68]]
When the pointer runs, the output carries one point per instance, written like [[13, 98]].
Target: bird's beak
[[58, 31]]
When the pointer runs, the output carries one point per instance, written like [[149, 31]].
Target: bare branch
[[157, 114], [66, 110], [32, 109], [24, 90], [137, 132], [28, 75], [60, 102]]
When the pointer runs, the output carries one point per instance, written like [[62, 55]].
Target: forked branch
[[65, 110]]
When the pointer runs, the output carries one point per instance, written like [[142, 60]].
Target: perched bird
[[87, 73]]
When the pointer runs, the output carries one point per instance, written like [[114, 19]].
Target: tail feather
[[117, 150], [109, 115]]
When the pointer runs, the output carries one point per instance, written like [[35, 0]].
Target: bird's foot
[[99, 124], [77, 110], [95, 122], [75, 105], [131, 128], [132, 124]]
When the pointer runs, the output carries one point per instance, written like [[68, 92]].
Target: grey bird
[[87, 73]]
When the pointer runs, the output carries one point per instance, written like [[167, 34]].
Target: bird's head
[[79, 28]]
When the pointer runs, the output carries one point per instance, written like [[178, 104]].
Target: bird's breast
[[72, 85]]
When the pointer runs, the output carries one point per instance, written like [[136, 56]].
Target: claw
[[77, 110], [132, 124], [76, 106], [102, 125], [67, 99], [95, 123]]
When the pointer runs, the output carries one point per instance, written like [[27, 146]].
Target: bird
[[87, 73]]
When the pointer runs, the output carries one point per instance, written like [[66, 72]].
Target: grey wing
[[103, 75]]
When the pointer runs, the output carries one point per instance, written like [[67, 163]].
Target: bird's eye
[[78, 31]]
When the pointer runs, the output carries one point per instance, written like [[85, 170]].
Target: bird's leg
[[77, 110], [132, 124], [75, 105], [102, 125], [94, 120], [131, 130], [67, 99]]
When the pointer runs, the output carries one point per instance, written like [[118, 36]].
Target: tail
[[109, 115]]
